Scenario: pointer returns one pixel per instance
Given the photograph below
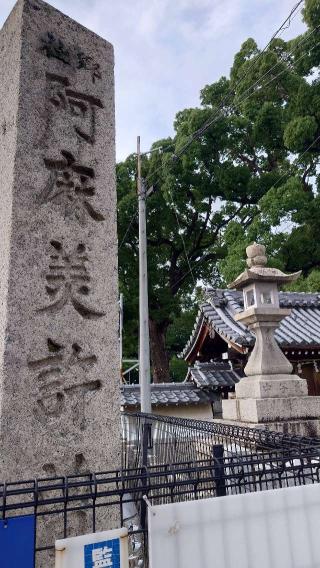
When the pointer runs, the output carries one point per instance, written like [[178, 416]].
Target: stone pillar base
[[271, 412], [271, 386]]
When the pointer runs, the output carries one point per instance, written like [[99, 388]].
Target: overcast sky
[[167, 50]]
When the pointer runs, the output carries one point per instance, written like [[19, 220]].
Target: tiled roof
[[165, 394], [301, 329], [213, 374]]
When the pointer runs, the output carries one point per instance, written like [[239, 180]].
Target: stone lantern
[[269, 394]]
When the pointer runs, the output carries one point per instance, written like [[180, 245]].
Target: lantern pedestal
[[301, 427], [268, 371], [292, 415], [271, 386], [266, 357], [259, 410]]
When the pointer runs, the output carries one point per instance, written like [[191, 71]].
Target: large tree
[[234, 183], [287, 217]]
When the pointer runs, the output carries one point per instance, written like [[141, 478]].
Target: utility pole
[[144, 348]]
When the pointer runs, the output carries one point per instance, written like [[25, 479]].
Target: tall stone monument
[[59, 384], [269, 395]]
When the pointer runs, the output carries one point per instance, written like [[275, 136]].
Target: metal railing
[[79, 504], [73, 505], [154, 440], [176, 460]]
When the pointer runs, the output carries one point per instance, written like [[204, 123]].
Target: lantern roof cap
[[258, 271]]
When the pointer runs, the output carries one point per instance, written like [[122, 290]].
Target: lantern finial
[[256, 255], [259, 271]]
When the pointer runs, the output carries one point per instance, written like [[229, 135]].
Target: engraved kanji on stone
[[71, 185], [86, 62], [55, 48], [80, 108], [62, 382], [68, 281]]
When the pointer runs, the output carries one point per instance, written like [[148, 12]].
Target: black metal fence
[[75, 505], [164, 460], [154, 440]]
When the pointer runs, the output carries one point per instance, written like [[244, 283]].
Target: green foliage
[[311, 13], [300, 132], [309, 284], [178, 370], [268, 127], [180, 329], [253, 175], [286, 202]]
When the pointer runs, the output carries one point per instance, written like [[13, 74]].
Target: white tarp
[[107, 549], [268, 529]]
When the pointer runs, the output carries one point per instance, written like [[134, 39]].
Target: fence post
[[218, 469], [146, 437], [145, 442]]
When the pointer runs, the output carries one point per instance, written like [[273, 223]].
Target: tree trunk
[[159, 355]]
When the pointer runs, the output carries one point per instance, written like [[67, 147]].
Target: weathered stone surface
[[271, 409], [58, 249], [271, 386], [266, 357], [309, 428], [230, 410]]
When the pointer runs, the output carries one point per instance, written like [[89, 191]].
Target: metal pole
[[144, 349], [145, 444], [218, 469]]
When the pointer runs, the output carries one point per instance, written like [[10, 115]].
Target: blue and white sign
[[107, 549], [102, 554]]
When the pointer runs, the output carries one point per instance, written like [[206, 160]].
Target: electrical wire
[[264, 85], [173, 205], [217, 113], [134, 216], [295, 161], [181, 236], [285, 25], [286, 174], [242, 99], [207, 124]]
